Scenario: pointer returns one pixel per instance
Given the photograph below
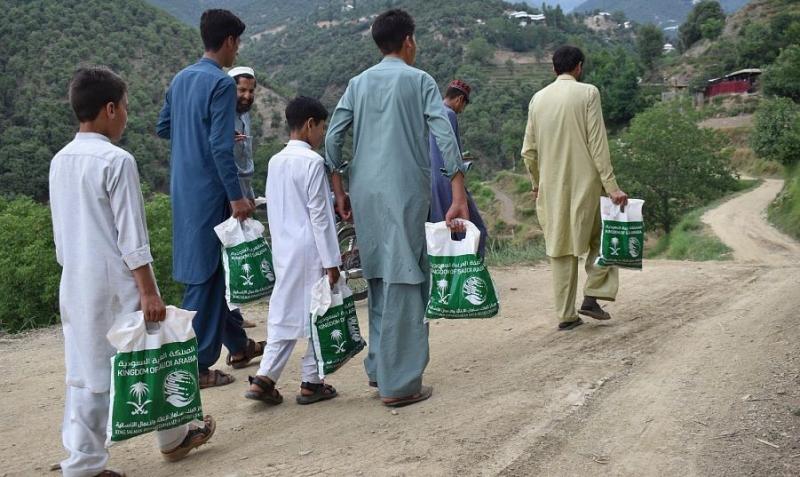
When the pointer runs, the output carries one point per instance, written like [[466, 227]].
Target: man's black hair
[[216, 25], [301, 109], [566, 58], [243, 75], [391, 29], [454, 93], [92, 88]]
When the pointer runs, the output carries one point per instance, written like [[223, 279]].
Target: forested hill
[[475, 40], [43, 41], [260, 15], [660, 12]]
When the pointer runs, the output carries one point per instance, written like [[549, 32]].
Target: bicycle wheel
[[351, 261]]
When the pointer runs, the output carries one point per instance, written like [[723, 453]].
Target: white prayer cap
[[241, 70]]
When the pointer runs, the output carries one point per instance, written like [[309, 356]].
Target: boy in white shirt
[[304, 249], [102, 244]]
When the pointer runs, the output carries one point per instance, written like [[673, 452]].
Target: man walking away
[[566, 152]]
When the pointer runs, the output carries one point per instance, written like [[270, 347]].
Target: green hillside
[[465, 39], [43, 43], [259, 15], [650, 11]]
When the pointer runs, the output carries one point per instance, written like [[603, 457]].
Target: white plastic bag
[[622, 236], [154, 376], [334, 325], [461, 286], [247, 259]]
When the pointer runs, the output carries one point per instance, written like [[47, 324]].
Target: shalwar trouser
[[276, 355], [398, 337], [601, 282], [83, 433], [214, 324]]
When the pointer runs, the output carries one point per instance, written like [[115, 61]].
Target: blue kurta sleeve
[[451, 115], [163, 126], [341, 121], [440, 127], [223, 117]]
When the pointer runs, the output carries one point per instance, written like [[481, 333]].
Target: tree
[[781, 78], [776, 133], [479, 50], [616, 75], [649, 44], [708, 13], [665, 159]]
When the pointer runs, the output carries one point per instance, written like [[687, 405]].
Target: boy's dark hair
[[301, 108], [216, 25], [390, 30], [91, 88], [566, 58], [455, 93]]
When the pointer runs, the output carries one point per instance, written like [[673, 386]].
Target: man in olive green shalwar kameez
[[391, 108], [566, 152]]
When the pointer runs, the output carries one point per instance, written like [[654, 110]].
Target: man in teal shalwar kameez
[[392, 107]]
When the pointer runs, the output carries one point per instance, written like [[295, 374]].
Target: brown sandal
[[424, 393], [250, 352], [321, 392], [194, 439], [268, 393], [214, 378]]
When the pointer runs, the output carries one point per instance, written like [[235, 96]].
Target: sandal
[[322, 392], [250, 352], [108, 473], [268, 393], [214, 378], [424, 393], [194, 439], [595, 311]]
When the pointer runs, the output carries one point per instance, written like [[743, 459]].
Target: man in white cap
[[245, 79]]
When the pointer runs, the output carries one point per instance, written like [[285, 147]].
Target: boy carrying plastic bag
[[622, 236], [460, 283], [154, 375], [247, 259], [334, 325]]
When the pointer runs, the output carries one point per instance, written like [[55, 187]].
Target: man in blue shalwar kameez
[[456, 99], [391, 107], [198, 117]]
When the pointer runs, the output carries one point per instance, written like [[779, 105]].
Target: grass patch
[[784, 213], [745, 161], [502, 253], [690, 240]]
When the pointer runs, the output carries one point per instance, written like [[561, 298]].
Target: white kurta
[[100, 236], [303, 231]]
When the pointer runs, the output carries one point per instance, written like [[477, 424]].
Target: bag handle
[[440, 229]]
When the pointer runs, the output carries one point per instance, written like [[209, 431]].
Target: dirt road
[[507, 206], [697, 374]]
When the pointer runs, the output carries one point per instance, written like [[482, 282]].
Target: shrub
[[776, 134], [30, 278]]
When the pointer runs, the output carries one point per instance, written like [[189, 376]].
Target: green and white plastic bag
[[334, 325], [622, 236], [154, 377], [460, 283], [247, 259]]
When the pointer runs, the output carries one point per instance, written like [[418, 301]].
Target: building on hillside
[[600, 22], [738, 82], [668, 48], [526, 18]]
